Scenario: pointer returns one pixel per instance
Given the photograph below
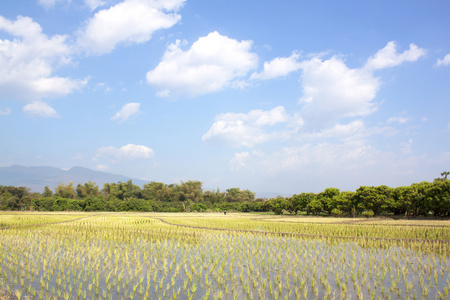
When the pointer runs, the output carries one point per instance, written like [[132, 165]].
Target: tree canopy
[[418, 199]]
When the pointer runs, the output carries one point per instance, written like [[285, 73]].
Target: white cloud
[[40, 109], [401, 119], [5, 112], [354, 130], [238, 129], [332, 91], [389, 57], [129, 22], [239, 161], [212, 63], [443, 62], [316, 157], [278, 67], [129, 151], [28, 62], [93, 4], [127, 111]]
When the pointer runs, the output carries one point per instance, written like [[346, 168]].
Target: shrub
[[368, 213], [337, 212]]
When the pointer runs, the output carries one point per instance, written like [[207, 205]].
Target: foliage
[[418, 199]]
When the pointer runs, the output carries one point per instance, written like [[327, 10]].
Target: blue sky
[[271, 96]]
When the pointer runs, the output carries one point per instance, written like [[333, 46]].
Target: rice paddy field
[[213, 256]]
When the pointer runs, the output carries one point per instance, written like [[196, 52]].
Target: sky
[[277, 97]]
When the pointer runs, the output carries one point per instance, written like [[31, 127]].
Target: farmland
[[213, 256]]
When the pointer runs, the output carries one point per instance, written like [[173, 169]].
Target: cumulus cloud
[[127, 111], [443, 62], [128, 22], [212, 63], [389, 57], [40, 109], [331, 90], [129, 151], [238, 129], [28, 62], [278, 67]]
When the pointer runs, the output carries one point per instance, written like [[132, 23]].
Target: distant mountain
[[36, 178]]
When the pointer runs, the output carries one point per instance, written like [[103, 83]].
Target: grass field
[[213, 256]]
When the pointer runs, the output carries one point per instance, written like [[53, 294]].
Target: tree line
[[418, 199]]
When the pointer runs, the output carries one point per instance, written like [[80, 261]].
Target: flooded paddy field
[[212, 256]]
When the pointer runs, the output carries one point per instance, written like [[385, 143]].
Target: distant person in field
[[225, 212]]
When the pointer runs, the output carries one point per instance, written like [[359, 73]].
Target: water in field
[[126, 261]]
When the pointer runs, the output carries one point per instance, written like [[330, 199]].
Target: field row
[[137, 256]]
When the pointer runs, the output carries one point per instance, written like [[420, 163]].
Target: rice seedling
[[139, 256]]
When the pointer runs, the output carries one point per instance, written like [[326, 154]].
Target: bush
[[367, 213], [337, 212], [200, 207]]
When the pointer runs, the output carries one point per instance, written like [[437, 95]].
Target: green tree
[[245, 207], [238, 195], [300, 202], [278, 205], [420, 205], [200, 207], [159, 191], [214, 196], [190, 190], [373, 198], [438, 197], [89, 189], [47, 192], [401, 201], [60, 204], [65, 190], [94, 203], [315, 206], [328, 199], [121, 190], [135, 204], [345, 202]]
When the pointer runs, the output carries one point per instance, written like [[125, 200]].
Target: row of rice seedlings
[[16, 219], [133, 257], [341, 230]]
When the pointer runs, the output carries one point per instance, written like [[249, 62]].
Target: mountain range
[[36, 178]]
